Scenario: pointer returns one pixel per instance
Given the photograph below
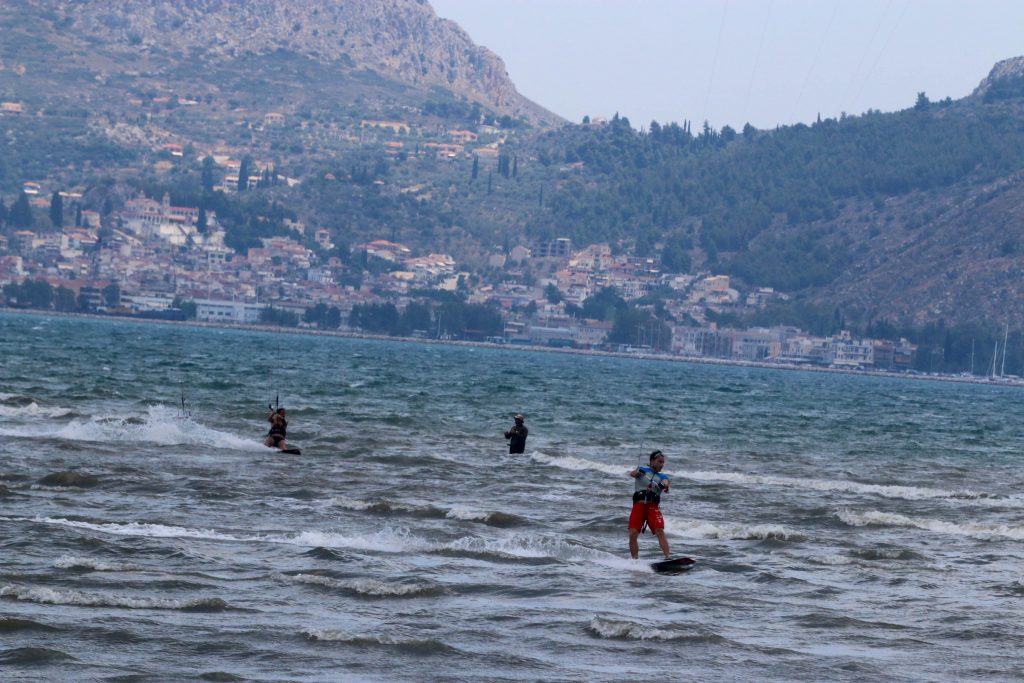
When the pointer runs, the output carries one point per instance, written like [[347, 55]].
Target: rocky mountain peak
[[1006, 69], [400, 39]]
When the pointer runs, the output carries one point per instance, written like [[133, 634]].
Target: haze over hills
[[909, 216]]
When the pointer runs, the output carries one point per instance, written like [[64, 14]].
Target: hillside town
[[158, 260]]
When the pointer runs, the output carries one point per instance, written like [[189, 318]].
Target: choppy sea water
[[846, 528]]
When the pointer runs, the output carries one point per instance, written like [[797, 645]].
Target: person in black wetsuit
[[278, 430], [517, 436]]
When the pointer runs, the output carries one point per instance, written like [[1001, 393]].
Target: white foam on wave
[[368, 638], [133, 529], [570, 462], [386, 540], [56, 596], [73, 562], [630, 630], [370, 587], [34, 410], [161, 425], [885, 490], [698, 528], [363, 505], [985, 532]]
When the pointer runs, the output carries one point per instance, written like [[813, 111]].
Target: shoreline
[[696, 360]]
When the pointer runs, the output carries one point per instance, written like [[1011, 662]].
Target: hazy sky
[[734, 61]]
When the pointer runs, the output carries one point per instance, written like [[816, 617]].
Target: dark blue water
[[845, 527]]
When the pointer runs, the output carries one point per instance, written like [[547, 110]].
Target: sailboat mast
[[1006, 334]]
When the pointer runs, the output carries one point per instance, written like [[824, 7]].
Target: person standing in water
[[517, 435], [278, 430], [650, 483]]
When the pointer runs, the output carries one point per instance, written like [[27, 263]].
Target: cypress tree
[[515, 166], [243, 174], [476, 166], [3, 211], [21, 213], [207, 180], [57, 210], [489, 182]]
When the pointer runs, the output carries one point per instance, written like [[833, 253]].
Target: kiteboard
[[291, 451], [673, 566]]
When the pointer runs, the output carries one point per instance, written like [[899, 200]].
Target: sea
[[845, 528]]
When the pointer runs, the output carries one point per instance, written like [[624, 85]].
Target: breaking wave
[[696, 528], [89, 564], [986, 532], [161, 425], [373, 587], [415, 645], [885, 490], [55, 596], [621, 629]]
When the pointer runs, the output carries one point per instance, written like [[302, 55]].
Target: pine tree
[[21, 213], [57, 210]]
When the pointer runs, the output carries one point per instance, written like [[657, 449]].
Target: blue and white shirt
[[649, 485]]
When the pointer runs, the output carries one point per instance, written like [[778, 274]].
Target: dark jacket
[[517, 438]]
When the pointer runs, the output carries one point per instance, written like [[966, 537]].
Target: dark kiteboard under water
[[291, 451], [673, 566]]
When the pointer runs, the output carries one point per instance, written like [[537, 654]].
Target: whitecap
[[696, 528], [570, 462], [885, 490], [370, 587], [631, 630], [161, 425], [55, 596], [985, 532], [73, 562], [34, 410]]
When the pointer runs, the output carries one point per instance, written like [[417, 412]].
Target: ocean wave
[[13, 624], [89, 564], [29, 656], [621, 629], [161, 425], [461, 512], [417, 645], [985, 532], [490, 518], [696, 528], [133, 529], [373, 587], [34, 410], [55, 596], [884, 490], [386, 540], [571, 462]]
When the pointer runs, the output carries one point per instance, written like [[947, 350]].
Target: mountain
[[178, 41]]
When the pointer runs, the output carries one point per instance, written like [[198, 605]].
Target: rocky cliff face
[[1006, 69], [399, 39]]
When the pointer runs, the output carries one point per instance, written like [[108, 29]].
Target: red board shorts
[[649, 512]]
